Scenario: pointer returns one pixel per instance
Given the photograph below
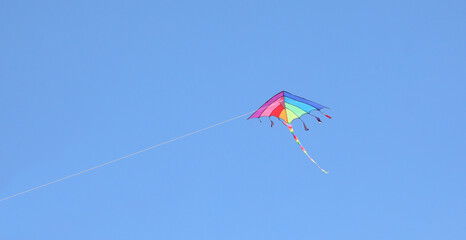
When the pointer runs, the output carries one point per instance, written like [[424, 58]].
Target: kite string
[[118, 159], [302, 148]]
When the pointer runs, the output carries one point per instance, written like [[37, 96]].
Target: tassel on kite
[[304, 125], [288, 107]]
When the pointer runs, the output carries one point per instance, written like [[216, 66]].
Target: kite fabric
[[288, 107]]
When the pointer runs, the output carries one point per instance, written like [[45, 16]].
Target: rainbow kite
[[288, 107]]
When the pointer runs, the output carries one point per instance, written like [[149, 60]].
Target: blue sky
[[85, 82]]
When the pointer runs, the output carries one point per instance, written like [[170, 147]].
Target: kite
[[288, 107], [285, 106]]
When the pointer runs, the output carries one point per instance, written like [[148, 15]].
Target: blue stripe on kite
[[305, 107], [294, 97]]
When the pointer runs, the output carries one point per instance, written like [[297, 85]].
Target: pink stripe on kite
[[268, 110], [258, 113]]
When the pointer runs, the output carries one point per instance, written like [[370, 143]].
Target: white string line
[[118, 159]]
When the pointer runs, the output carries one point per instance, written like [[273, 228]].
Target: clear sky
[[85, 82]]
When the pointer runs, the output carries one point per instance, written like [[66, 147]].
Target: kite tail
[[302, 148]]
